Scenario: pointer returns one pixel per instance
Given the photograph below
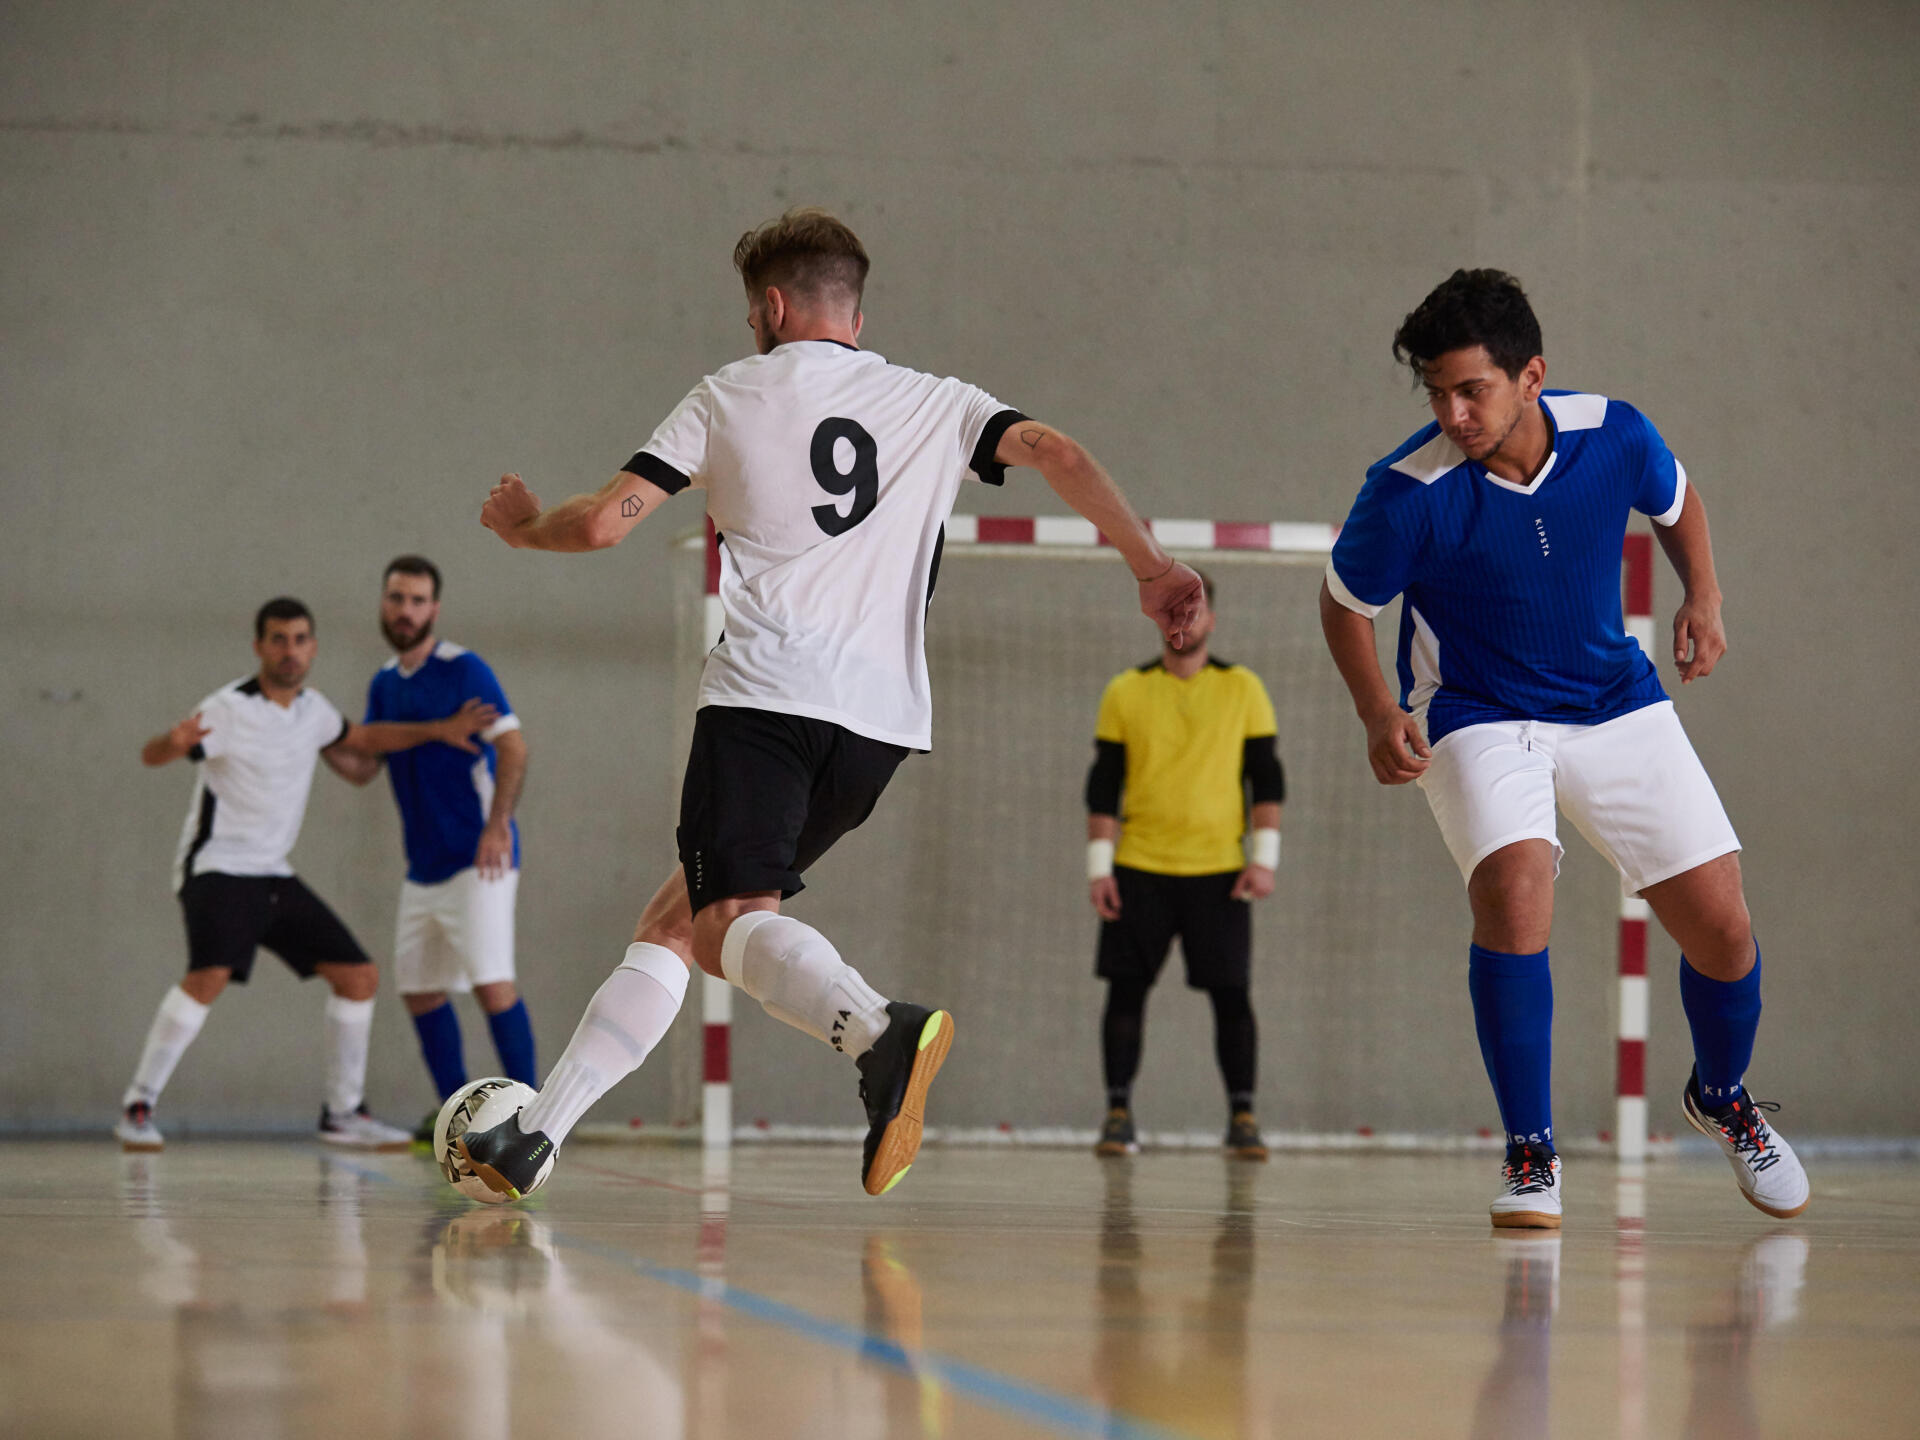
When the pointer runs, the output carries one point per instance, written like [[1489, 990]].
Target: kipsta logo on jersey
[[1540, 529], [630, 506]]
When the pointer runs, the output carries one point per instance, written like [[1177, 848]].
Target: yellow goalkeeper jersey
[[1183, 808]]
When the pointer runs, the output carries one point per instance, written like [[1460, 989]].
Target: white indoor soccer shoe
[[136, 1131], [1770, 1174], [1529, 1197], [358, 1130]]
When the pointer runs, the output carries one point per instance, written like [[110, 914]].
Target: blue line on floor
[[1061, 1413]]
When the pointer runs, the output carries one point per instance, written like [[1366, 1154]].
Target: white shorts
[[455, 935], [1632, 786]]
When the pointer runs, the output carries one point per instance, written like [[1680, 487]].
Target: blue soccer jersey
[[444, 793], [1512, 607]]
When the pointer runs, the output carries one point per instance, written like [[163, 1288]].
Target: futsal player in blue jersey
[[455, 930], [1500, 526]]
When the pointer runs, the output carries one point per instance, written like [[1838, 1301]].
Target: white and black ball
[[479, 1105]]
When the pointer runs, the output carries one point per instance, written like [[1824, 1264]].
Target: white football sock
[[349, 1027], [624, 1021], [798, 977], [175, 1023]]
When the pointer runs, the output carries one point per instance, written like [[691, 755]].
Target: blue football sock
[[513, 1038], [1513, 1016], [1723, 1015], [439, 1031]]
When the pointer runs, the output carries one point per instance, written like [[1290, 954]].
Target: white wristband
[[1265, 849], [1099, 859]]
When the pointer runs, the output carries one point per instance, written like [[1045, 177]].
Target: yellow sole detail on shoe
[[900, 1141], [489, 1177]]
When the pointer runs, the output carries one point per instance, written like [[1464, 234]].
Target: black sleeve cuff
[[990, 470], [1260, 764], [346, 729], [653, 468], [197, 754], [1104, 778]]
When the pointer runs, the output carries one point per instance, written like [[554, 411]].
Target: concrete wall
[[283, 288]]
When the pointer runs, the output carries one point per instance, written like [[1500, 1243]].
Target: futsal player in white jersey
[[829, 474], [255, 742], [1500, 526]]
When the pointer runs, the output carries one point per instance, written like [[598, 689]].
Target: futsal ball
[[478, 1105]]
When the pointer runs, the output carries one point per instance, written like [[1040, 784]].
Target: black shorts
[[767, 794], [230, 916], [1214, 929]]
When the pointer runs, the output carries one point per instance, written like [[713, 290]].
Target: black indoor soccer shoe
[[508, 1161], [894, 1076], [1243, 1140], [1116, 1134]]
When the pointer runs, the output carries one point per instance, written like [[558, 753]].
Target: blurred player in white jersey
[[1501, 525], [829, 474], [255, 742]]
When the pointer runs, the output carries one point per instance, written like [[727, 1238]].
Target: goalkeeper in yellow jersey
[[1184, 758]]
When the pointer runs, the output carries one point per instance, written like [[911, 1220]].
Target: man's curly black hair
[[1470, 307]]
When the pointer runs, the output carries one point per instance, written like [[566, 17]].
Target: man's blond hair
[[806, 252]]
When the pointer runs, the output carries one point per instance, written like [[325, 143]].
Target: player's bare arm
[[494, 857], [1699, 634], [1103, 890], [383, 737], [176, 743], [355, 756], [586, 522], [1256, 881], [1396, 748], [1170, 592]]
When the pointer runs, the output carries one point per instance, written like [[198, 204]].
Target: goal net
[[967, 887]]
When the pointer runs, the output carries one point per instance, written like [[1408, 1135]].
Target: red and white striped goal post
[[1289, 542]]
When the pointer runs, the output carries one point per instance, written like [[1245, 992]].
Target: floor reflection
[[1165, 1355], [526, 1316], [247, 1355], [1515, 1398], [913, 1402], [1764, 1296]]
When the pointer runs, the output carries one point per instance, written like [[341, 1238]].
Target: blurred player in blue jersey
[[455, 929], [1500, 525]]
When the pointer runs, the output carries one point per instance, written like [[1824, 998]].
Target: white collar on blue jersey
[[1440, 456], [442, 650]]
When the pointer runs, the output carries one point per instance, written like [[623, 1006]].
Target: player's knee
[[497, 996], [353, 982], [1726, 943], [674, 931], [668, 918], [205, 985], [714, 926], [1231, 1002], [1511, 893]]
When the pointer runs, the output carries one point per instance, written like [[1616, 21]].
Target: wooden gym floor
[[280, 1289]]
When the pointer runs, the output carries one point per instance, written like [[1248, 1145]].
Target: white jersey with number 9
[[830, 475]]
